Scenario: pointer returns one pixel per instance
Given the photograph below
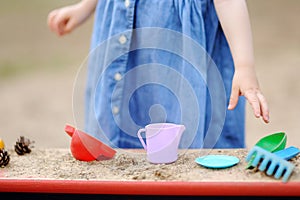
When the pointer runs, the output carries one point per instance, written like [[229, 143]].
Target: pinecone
[[22, 146], [4, 158]]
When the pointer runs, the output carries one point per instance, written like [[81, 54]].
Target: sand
[[129, 165]]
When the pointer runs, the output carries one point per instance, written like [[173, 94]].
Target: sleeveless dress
[[129, 86]]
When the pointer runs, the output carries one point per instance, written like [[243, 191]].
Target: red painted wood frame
[[151, 187]]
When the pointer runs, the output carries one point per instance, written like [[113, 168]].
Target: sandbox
[[129, 173]]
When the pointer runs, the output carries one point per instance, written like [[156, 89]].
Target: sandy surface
[[132, 165]]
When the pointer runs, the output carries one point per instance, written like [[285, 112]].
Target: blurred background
[[38, 69]]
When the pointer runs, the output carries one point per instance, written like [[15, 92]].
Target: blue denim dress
[[123, 94]]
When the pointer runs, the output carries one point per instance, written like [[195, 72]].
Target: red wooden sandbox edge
[[151, 187]]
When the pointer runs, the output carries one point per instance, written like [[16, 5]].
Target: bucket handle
[[141, 139]]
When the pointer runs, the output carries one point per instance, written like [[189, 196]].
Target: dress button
[[127, 3], [118, 76], [122, 39], [115, 110]]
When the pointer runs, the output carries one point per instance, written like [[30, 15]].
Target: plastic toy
[[162, 141], [87, 148], [2, 145], [272, 143], [273, 163], [217, 161]]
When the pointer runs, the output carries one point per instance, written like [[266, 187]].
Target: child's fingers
[[50, 20], [54, 20], [264, 107], [60, 22], [234, 98], [254, 102], [70, 25]]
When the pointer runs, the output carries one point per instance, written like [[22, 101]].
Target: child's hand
[[245, 83], [65, 20]]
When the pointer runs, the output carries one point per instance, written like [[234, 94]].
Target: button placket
[[124, 41]]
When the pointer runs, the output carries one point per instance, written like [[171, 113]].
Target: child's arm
[[234, 18], [65, 20]]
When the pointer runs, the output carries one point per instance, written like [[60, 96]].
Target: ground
[[38, 69]]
